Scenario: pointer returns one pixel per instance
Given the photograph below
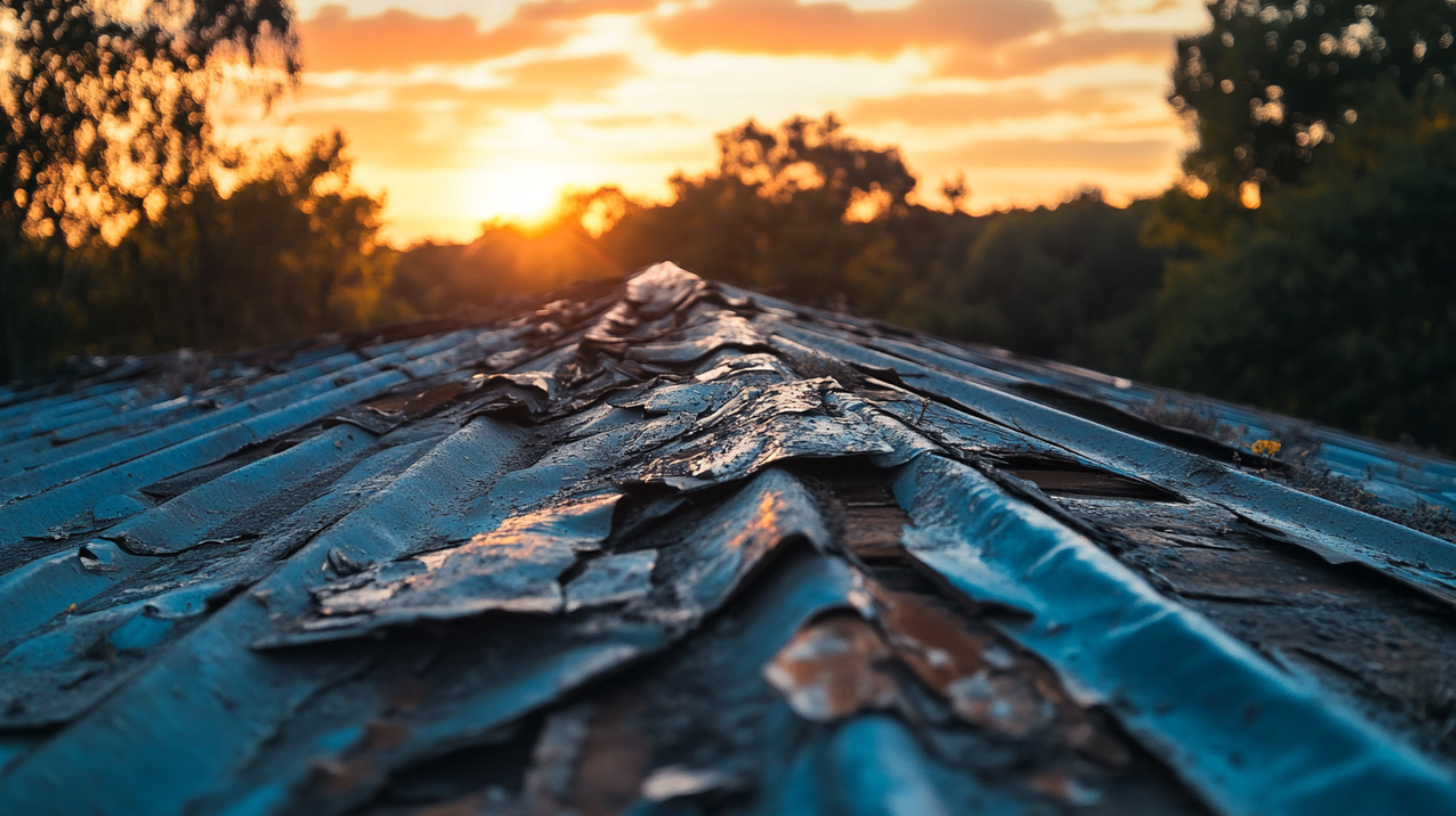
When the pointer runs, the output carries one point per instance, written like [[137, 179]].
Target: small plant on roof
[[1265, 447]]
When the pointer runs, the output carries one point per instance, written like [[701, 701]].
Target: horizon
[[462, 113]]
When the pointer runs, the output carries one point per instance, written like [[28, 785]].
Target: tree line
[[1303, 262]]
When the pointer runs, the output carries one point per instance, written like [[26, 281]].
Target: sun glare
[[525, 192]]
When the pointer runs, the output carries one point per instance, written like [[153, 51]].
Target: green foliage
[[1333, 299], [801, 212], [1336, 299], [106, 112], [1069, 283], [1271, 84], [804, 211], [291, 251]]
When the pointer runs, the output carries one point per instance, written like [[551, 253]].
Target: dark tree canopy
[[107, 122], [1335, 300], [1069, 283], [1271, 83], [807, 154], [106, 109], [802, 210]]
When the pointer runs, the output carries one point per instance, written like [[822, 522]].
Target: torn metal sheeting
[[1337, 533], [40, 513], [612, 579], [211, 687], [51, 586], [153, 580], [186, 521], [1406, 479], [722, 330], [736, 538], [788, 422], [973, 672], [842, 665], [474, 695], [512, 569], [668, 547], [1094, 621]]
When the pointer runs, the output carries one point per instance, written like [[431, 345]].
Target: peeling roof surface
[[685, 549]]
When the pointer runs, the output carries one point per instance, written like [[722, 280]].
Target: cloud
[[574, 74], [581, 9], [392, 138], [398, 38], [423, 125], [1140, 156], [979, 38], [531, 86], [1086, 47], [1118, 7], [636, 121], [395, 38], [785, 27], [935, 110]]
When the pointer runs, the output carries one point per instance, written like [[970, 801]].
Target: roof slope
[[688, 549]]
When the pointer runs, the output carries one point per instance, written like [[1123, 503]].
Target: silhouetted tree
[[802, 211], [507, 259], [1327, 295], [106, 107], [1336, 300], [1270, 83], [291, 251], [1068, 282]]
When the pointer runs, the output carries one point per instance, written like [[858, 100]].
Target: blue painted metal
[[1250, 738], [30, 698], [1337, 533], [211, 688], [37, 516], [184, 522], [626, 511]]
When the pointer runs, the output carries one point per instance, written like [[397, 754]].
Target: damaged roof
[[679, 548]]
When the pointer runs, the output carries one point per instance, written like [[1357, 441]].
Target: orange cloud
[[932, 110], [389, 138], [1086, 47], [416, 131], [574, 74], [531, 86], [834, 29], [636, 120], [1081, 154], [581, 9], [395, 38]]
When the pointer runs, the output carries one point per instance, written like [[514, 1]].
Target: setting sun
[[524, 193], [464, 116]]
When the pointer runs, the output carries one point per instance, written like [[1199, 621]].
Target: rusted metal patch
[[1221, 710], [831, 670]]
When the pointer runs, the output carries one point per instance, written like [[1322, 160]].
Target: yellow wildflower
[[1265, 447]]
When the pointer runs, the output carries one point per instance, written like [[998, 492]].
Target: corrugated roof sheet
[[687, 549]]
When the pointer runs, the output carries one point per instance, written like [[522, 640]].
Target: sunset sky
[[463, 111]]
